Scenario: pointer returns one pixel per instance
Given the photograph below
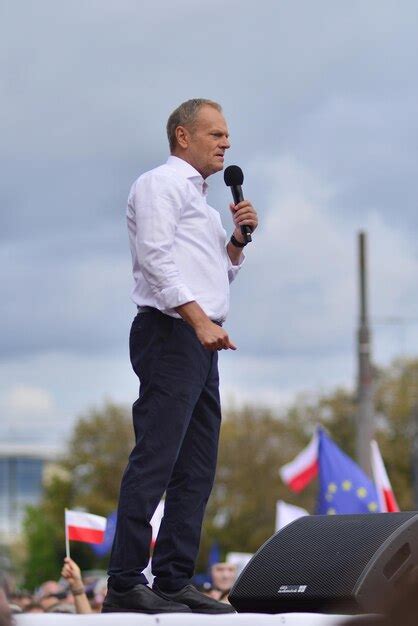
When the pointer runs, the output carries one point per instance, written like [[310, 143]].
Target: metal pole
[[365, 416], [414, 433]]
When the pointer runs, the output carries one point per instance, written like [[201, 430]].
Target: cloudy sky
[[321, 102]]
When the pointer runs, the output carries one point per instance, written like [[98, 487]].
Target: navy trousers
[[176, 420]]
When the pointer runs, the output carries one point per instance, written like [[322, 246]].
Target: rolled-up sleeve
[[234, 269], [158, 203]]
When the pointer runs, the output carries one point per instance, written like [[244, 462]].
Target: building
[[22, 472]]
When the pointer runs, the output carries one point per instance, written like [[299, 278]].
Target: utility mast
[[365, 415]]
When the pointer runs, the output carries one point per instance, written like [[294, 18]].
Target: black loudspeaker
[[330, 564]]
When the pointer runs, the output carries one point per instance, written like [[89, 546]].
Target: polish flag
[[299, 472], [385, 493], [80, 526]]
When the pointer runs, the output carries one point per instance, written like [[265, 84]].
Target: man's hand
[[210, 335], [243, 214], [213, 337]]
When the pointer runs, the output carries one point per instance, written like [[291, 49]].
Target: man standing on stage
[[182, 267]]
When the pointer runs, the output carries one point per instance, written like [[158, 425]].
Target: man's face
[[207, 141], [223, 575]]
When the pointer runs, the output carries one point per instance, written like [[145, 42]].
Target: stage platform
[[130, 619]]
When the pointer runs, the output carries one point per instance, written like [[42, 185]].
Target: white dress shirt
[[178, 243]]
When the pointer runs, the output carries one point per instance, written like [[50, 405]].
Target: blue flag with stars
[[343, 486]]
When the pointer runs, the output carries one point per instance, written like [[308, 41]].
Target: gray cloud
[[322, 111]]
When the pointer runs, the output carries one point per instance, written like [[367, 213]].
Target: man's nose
[[225, 143]]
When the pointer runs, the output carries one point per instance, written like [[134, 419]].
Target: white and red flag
[[287, 513], [81, 526], [387, 500], [299, 472]]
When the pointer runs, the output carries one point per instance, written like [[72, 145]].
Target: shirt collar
[[188, 171]]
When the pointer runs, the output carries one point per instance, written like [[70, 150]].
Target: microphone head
[[233, 176]]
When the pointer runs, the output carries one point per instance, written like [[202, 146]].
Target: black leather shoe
[[140, 599], [198, 602]]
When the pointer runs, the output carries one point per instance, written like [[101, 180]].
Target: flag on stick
[[299, 472], [343, 486], [385, 493], [81, 526], [287, 513]]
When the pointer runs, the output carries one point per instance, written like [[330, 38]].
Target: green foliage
[[396, 400], [88, 477], [97, 455], [42, 547], [241, 511], [254, 444]]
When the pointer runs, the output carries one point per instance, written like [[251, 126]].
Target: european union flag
[[101, 549], [343, 486]]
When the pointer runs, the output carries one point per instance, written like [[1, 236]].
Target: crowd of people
[[81, 593], [78, 593]]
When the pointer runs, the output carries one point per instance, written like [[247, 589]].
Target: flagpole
[[365, 410], [67, 540]]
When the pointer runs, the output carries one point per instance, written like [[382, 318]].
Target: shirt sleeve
[[158, 203], [234, 269]]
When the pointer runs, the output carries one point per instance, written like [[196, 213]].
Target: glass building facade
[[21, 478]]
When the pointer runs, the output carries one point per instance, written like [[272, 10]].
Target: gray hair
[[185, 115]]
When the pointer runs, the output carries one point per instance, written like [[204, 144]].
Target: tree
[[97, 456], [255, 443], [43, 548], [89, 477], [395, 398]]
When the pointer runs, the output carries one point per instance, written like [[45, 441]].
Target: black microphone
[[234, 177]]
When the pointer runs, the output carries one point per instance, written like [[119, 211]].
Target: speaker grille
[[325, 553]]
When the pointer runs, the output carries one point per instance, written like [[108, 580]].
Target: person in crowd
[[49, 601], [223, 577], [63, 607], [22, 599], [34, 607], [99, 593], [48, 588], [5, 612], [49, 594], [72, 574]]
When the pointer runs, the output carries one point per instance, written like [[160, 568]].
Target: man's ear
[[182, 136]]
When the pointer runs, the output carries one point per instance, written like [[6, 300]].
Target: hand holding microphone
[[244, 214]]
